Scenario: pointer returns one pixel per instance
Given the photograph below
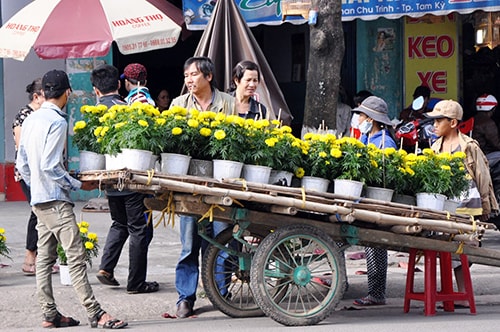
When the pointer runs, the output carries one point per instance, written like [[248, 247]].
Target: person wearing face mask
[[373, 125]]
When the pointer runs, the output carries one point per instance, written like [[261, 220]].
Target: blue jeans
[[187, 270]]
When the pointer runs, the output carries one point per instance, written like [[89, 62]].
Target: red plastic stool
[[430, 295]]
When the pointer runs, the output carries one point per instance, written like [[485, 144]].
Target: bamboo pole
[[363, 215]]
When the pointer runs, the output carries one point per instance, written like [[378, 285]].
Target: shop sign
[[197, 13], [431, 57]]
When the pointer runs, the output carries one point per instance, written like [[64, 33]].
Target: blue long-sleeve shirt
[[379, 140], [40, 158]]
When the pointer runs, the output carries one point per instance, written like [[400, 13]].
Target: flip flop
[[29, 269]]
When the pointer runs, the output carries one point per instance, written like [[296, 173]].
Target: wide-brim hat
[[375, 108]]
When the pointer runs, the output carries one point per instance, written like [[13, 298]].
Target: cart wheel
[[226, 277], [297, 275]]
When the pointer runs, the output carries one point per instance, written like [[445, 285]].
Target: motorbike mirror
[[418, 103]]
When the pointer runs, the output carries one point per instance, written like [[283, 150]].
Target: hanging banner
[[197, 12]]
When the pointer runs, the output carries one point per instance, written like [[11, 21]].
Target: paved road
[[20, 311]]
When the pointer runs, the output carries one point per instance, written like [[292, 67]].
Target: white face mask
[[365, 127]]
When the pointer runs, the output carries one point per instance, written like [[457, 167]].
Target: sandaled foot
[[59, 321], [368, 301], [107, 278], [104, 320], [146, 287], [29, 269]]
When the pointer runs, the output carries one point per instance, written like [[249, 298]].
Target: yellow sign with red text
[[431, 56]]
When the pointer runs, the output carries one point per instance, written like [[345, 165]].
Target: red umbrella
[[59, 29]]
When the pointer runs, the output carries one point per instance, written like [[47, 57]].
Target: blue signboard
[[373, 9], [197, 13]]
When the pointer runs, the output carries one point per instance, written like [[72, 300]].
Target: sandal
[[368, 301], [29, 269], [107, 278], [147, 287], [109, 324], [59, 321]]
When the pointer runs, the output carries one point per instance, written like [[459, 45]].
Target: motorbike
[[419, 131]]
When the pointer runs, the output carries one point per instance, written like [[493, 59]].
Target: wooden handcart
[[283, 239]]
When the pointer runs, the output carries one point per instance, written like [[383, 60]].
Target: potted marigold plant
[[136, 131], [320, 161], [4, 250], [354, 166], [287, 153], [227, 145], [91, 151], [388, 172], [91, 245], [431, 180]]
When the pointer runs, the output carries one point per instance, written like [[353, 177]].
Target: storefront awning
[[197, 13]]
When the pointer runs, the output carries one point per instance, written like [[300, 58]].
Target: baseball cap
[[486, 103], [135, 71], [55, 80], [446, 109], [375, 108]]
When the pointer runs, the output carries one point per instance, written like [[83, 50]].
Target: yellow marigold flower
[[176, 131], [120, 124], [374, 163], [428, 152], [421, 158], [443, 156], [299, 172], [100, 109], [389, 151], [194, 113], [2, 230], [97, 131], [83, 230], [83, 224], [143, 123], [336, 153], [79, 125], [160, 121], [104, 130], [410, 171], [308, 136], [220, 134], [322, 154], [205, 132], [99, 140], [271, 142], [461, 168], [193, 123], [92, 236], [459, 154], [276, 122], [445, 167], [220, 117], [89, 245]]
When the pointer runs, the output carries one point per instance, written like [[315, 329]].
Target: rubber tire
[[265, 297], [219, 301]]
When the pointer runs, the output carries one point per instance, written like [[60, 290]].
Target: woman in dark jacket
[[246, 79]]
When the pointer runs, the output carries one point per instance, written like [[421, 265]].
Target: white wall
[[17, 75]]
